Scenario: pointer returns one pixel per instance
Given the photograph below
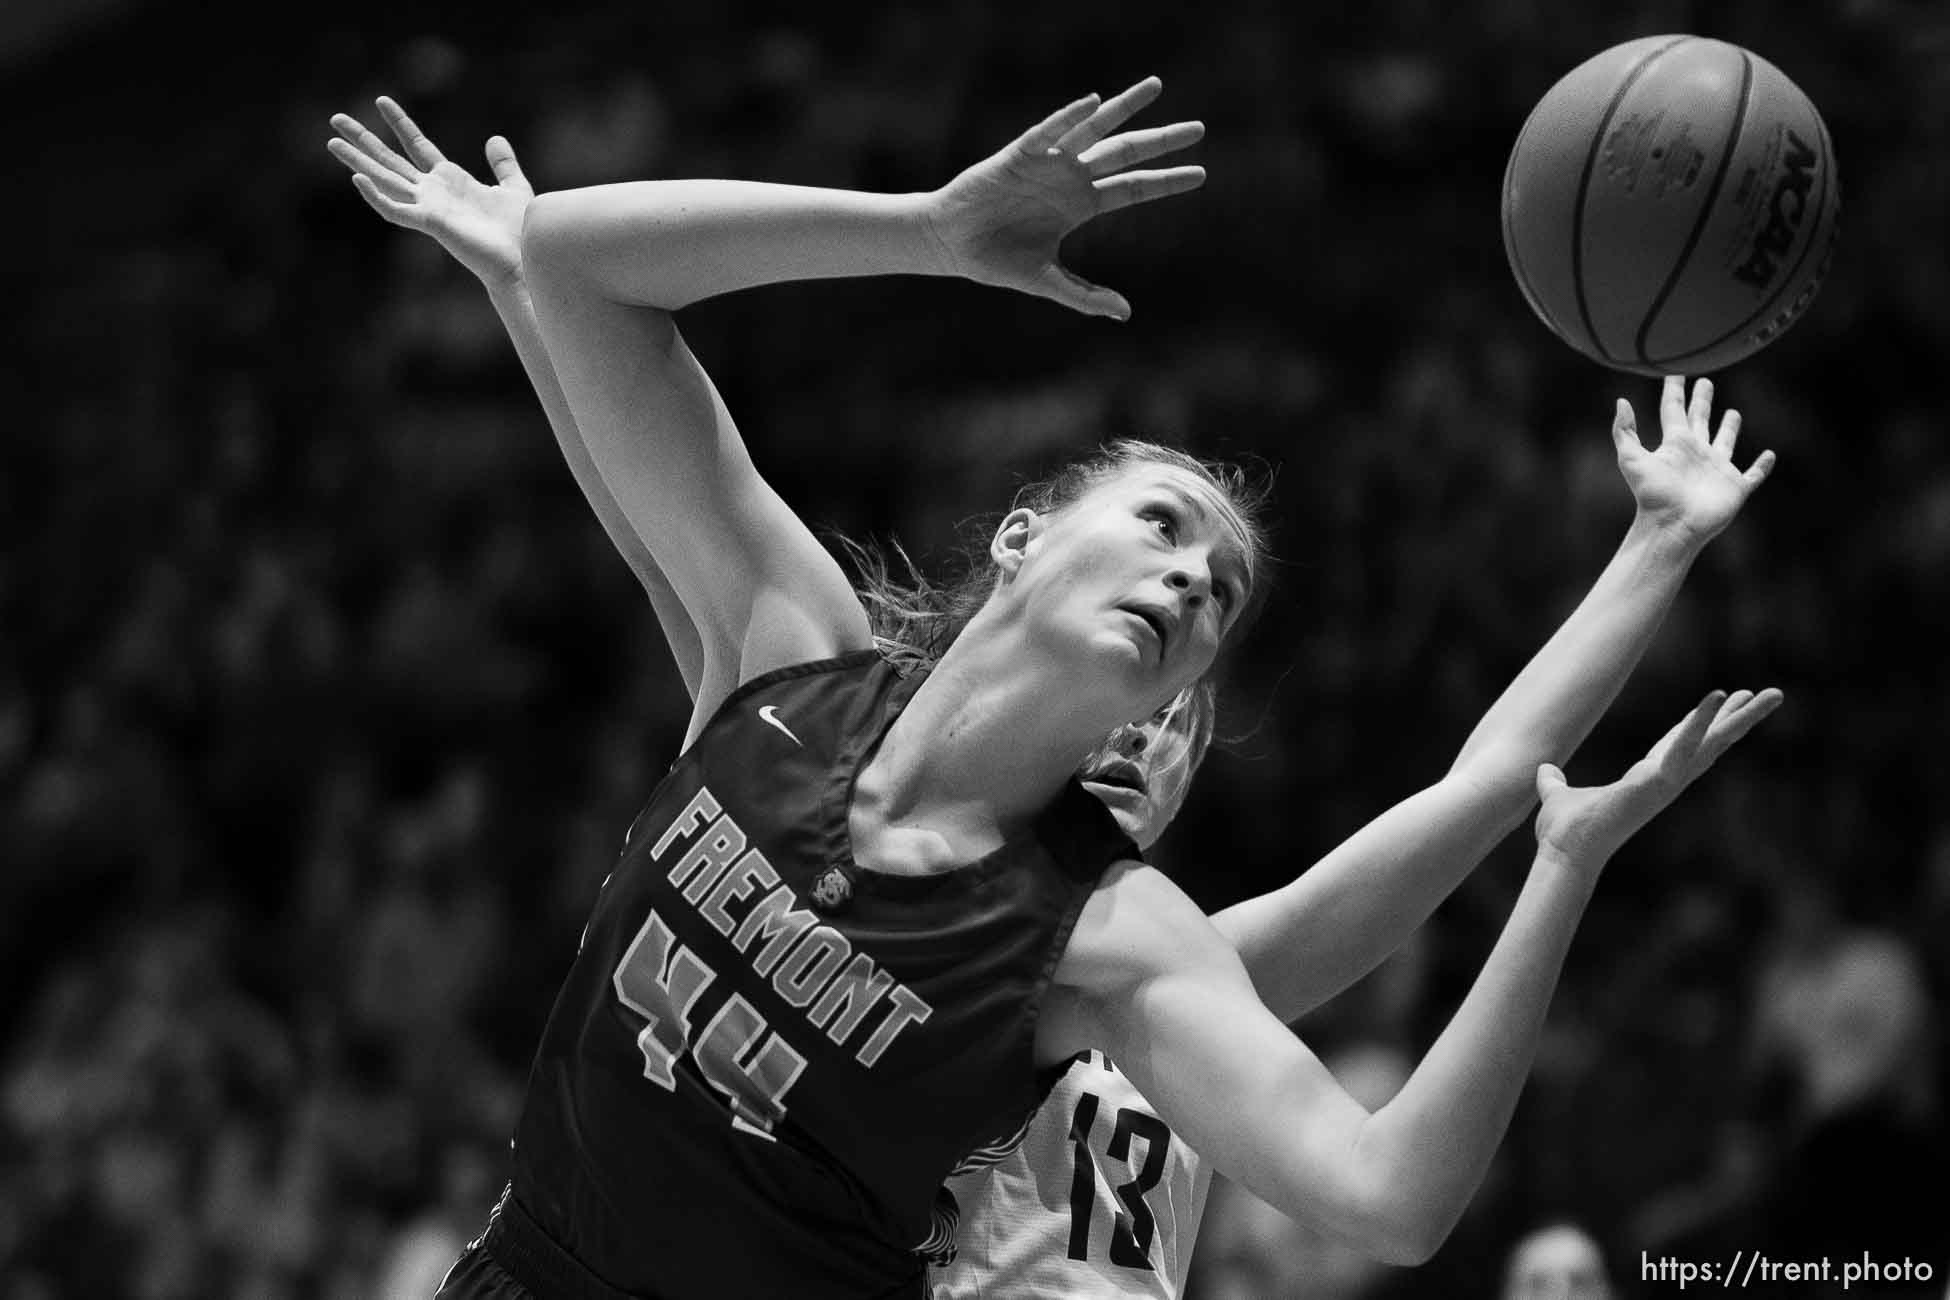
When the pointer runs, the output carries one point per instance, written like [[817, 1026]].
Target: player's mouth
[[1157, 621], [1118, 774]]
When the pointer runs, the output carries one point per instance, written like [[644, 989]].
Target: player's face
[[1142, 773], [1561, 1263], [1148, 571]]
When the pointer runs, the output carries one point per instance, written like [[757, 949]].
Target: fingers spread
[[354, 132], [1758, 471], [1113, 114], [1687, 737], [388, 182], [1625, 428], [1729, 433], [399, 214], [1735, 721], [1700, 412], [501, 160], [1059, 285], [1134, 147], [1672, 401], [418, 147], [1126, 188], [1042, 137]]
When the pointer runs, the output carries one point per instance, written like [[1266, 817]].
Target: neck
[[986, 738]]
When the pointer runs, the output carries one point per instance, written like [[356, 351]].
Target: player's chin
[[1132, 648], [1135, 674], [1130, 809], [1137, 824]]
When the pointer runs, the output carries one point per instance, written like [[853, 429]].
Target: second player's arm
[[479, 225], [1252, 1099], [516, 310], [759, 589], [1152, 982]]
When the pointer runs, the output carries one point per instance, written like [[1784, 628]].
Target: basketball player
[[692, 1146]]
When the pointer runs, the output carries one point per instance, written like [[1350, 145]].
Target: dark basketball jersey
[[765, 1059]]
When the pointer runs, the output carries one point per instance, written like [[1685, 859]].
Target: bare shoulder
[[1135, 926]]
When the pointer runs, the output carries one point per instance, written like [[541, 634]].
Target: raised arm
[[1174, 1007], [608, 265], [480, 226], [1307, 941]]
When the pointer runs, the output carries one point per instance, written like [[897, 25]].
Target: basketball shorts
[[516, 1260]]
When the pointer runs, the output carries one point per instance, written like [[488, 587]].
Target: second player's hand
[[421, 190], [1585, 826], [1688, 483]]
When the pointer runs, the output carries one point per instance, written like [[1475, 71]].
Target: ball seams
[[1631, 78], [1743, 103]]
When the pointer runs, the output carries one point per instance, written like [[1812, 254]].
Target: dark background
[[324, 703]]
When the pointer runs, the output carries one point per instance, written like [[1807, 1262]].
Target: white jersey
[[1097, 1200]]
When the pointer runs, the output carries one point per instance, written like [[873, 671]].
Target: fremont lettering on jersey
[[811, 965]]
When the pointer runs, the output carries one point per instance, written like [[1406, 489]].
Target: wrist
[[1577, 867], [1667, 537], [923, 211]]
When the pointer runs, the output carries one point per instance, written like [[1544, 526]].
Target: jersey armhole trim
[[1045, 1078], [773, 676]]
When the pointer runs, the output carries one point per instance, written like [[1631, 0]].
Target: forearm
[[667, 244], [1434, 1141], [1311, 939], [1551, 706], [517, 313]]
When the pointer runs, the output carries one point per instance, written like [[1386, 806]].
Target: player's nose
[[1192, 582]]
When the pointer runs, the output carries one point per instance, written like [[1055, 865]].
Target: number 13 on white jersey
[[1099, 1200]]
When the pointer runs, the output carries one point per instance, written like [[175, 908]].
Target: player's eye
[[1164, 522]]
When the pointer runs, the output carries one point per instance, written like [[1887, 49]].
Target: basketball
[[1671, 205]]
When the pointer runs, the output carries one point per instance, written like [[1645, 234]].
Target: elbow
[[1386, 1210], [1413, 1244], [1401, 1220], [573, 243], [1405, 1240], [1411, 1230]]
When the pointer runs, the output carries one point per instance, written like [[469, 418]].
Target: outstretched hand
[[479, 224], [1002, 221], [1587, 825], [1689, 482]]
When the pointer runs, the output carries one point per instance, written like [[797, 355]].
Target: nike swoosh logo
[[770, 714]]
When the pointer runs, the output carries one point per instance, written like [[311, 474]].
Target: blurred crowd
[[324, 705]]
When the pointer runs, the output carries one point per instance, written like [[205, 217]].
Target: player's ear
[[1012, 537]]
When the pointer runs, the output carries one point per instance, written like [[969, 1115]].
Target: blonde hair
[[914, 620]]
